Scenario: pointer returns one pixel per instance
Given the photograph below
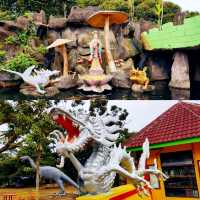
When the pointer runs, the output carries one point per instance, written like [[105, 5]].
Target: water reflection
[[161, 92], [180, 94]]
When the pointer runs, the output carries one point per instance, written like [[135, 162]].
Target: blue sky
[[191, 5]]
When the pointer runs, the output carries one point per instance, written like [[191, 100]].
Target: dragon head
[[82, 128]]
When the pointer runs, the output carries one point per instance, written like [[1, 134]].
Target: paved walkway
[[46, 193]]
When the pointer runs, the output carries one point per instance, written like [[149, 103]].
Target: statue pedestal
[[8, 80], [140, 88], [97, 89], [128, 192], [67, 82], [121, 79], [96, 80]]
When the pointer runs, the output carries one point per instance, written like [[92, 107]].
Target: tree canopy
[[145, 9], [30, 125]]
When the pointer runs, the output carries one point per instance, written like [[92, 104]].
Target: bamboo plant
[[159, 8]]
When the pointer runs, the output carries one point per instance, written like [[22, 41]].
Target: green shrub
[[28, 49], [2, 55], [120, 5], [10, 40], [22, 38], [33, 51], [28, 15], [41, 49], [5, 15], [105, 4], [20, 62], [1, 45]]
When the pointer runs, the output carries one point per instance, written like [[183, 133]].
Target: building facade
[[175, 144]]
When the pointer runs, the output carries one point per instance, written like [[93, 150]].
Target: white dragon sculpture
[[39, 80], [97, 175]]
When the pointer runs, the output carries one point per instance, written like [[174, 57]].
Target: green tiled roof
[[172, 37]]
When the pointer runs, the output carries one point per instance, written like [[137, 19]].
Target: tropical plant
[[19, 63]]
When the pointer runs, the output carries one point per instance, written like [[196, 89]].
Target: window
[[179, 167]]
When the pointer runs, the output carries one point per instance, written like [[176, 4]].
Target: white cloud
[[191, 5], [141, 113]]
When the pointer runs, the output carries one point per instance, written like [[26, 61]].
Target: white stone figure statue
[[106, 160], [145, 155], [142, 163], [39, 80]]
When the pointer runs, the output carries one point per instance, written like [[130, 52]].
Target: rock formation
[[123, 45], [180, 71]]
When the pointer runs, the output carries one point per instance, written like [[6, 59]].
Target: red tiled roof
[[181, 121]]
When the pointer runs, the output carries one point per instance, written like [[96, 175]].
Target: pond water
[[161, 92]]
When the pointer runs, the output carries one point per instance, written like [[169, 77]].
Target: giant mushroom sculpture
[[59, 45], [104, 19]]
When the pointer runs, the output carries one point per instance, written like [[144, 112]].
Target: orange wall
[[159, 194]]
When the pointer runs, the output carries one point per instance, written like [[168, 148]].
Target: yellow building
[[175, 144], [124, 192]]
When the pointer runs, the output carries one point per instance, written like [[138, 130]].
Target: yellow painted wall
[[159, 194], [115, 192]]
